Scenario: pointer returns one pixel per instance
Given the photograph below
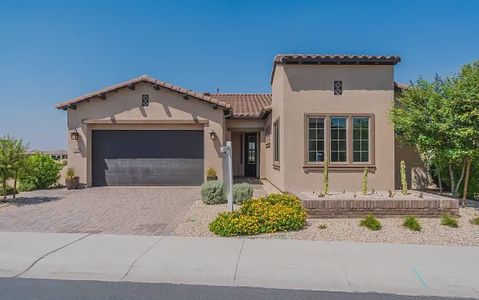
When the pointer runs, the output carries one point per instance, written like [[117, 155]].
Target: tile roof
[[157, 83], [246, 105], [334, 59]]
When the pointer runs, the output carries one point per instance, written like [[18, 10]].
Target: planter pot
[[72, 184], [211, 178]]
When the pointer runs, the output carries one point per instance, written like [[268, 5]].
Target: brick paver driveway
[[117, 210]]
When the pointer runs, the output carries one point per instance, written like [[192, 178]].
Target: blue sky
[[51, 51]]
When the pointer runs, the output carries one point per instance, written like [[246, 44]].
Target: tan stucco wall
[[125, 106], [306, 89], [416, 171]]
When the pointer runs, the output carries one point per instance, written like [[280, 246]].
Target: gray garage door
[[147, 157]]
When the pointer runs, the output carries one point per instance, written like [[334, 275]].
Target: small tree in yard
[[12, 162], [442, 120]]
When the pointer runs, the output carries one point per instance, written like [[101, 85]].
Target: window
[[145, 100], [276, 141], [338, 139], [360, 139], [338, 87], [316, 139]]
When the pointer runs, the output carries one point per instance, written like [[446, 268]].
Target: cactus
[[403, 178], [365, 181], [325, 177]]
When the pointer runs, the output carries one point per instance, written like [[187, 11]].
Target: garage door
[[147, 157]]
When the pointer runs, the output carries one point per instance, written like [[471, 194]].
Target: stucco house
[[322, 107]]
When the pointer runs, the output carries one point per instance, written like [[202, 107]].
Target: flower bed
[[273, 213]]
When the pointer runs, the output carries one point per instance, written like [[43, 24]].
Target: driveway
[[115, 210]]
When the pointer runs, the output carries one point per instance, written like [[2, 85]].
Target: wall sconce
[[74, 135], [212, 135]]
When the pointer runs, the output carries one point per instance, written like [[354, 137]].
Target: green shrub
[[412, 223], [273, 213], [475, 221], [213, 192], [242, 192], [370, 222], [448, 220], [42, 171]]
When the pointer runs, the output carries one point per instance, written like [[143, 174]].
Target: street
[[39, 289]]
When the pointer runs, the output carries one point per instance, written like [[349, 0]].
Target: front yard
[[195, 223]]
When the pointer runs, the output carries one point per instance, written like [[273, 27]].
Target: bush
[[42, 171], [213, 192], [211, 172], [242, 192], [273, 213], [412, 223], [448, 220], [370, 222], [475, 221]]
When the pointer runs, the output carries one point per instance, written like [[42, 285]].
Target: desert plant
[[365, 182], [412, 223], [403, 178], [322, 226], [273, 213], [42, 172], [213, 192], [475, 221], [242, 192], [211, 172], [370, 222], [70, 173], [391, 194], [448, 220], [326, 176]]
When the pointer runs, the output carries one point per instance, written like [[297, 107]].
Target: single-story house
[[322, 108]]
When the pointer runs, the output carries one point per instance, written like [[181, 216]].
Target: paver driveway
[[117, 210]]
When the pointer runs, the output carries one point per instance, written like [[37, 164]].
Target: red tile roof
[[157, 83], [246, 105], [334, 59]]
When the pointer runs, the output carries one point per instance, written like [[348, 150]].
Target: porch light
[[212, 135], [74, 135]]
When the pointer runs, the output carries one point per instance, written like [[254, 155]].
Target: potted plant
[[71, 181], [211, 174]]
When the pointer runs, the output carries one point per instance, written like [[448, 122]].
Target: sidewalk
[[287, 264]]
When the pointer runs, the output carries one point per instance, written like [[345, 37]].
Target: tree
[[464, 108], [12, 162], [441, 119]]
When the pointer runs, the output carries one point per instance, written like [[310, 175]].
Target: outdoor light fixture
[[74, 135], [212, 135]]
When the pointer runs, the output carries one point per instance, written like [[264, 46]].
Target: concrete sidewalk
[[287, 264]]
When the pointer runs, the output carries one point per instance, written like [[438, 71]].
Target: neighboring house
[[148, 132], [56, 154]]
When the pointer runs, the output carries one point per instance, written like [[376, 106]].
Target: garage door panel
[[166, 157]]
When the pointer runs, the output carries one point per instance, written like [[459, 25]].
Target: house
[[55, 154], [322, 107]]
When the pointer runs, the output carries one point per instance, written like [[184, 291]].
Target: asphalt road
[[12, 288]]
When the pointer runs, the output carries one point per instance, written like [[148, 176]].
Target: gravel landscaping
[[195, 223]]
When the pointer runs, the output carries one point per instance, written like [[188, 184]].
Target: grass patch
[[412, 223], [371, 223], [475, 221], [448, 220]]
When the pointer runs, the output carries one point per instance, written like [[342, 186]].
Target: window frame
[[349, 163], [276, 142], [325, 136], [369, 140]]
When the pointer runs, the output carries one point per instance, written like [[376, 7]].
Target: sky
[[51, 51]]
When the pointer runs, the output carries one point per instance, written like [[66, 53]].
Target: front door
[[251, 155]]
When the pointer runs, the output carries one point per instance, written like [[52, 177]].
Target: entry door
[[251, 154]]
